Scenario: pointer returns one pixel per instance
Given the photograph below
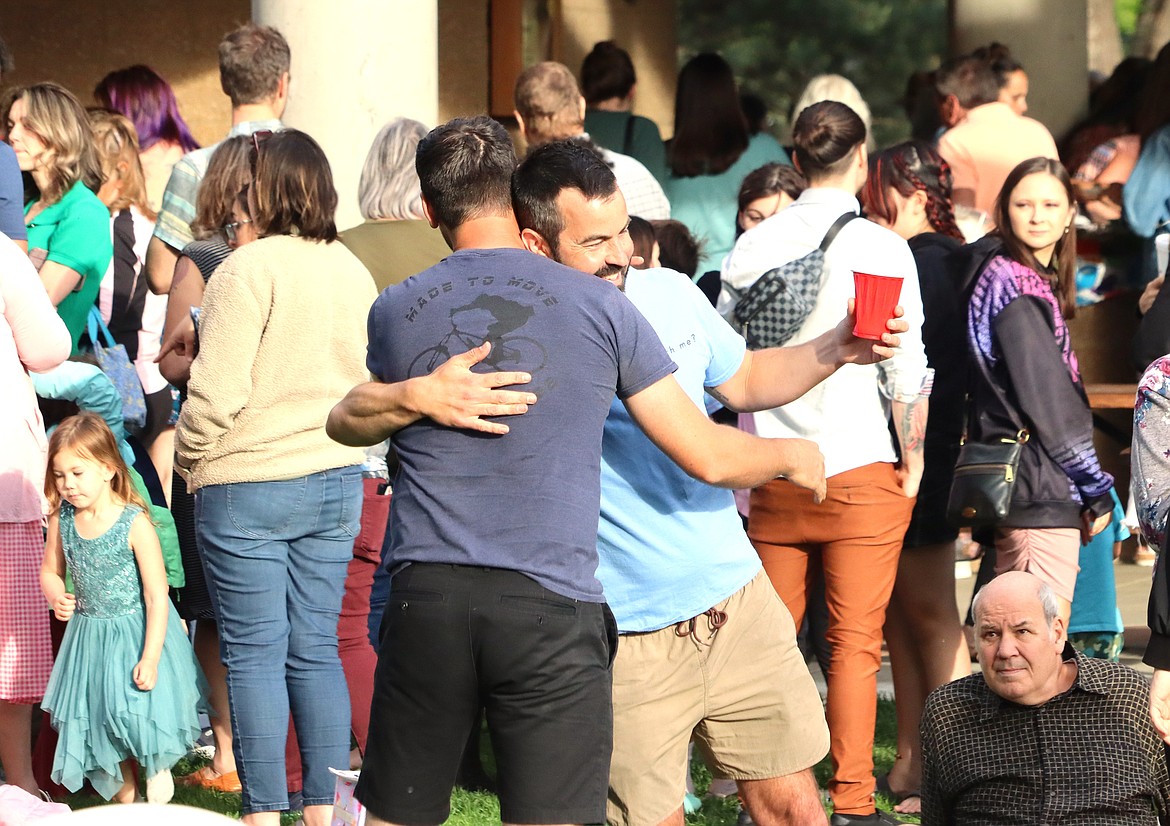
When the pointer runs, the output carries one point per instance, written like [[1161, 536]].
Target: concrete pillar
[[355, 65], [1050, 39]]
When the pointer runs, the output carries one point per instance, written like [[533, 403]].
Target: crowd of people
[[503, 450]]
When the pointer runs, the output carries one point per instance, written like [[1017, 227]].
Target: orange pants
[[854, 538]]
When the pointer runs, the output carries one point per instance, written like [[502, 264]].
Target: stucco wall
[[76, 42], [88, 38], [646, 29]]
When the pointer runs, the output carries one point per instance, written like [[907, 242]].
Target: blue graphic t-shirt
[[527, 501], [670, 546]]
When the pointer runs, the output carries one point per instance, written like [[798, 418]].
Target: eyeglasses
[[232, 230], [258, 139]]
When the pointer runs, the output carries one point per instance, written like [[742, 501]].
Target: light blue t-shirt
[[670, 546]]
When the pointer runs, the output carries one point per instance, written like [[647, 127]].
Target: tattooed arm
[[910, 425]]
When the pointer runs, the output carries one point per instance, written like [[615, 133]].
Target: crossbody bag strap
[[968, 401], [836, 228]]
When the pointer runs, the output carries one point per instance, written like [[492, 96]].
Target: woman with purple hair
[[141, 94]]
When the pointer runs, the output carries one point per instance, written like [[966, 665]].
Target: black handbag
[[985, 476], [772, 309]]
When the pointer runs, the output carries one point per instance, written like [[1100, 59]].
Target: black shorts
[[455, 638], [928, 523]]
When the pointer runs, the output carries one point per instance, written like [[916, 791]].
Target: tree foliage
[[777, 46]]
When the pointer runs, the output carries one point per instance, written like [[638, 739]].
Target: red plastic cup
[[877, 296]]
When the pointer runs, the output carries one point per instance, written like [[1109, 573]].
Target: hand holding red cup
[[876, 298]]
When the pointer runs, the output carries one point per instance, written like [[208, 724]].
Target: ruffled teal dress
[[101, 717]]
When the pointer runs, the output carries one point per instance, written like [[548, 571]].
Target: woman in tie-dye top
[[1151, 489], [1151, 452], [1024, 375]]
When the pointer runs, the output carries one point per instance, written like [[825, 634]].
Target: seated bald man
[[1043, 735]]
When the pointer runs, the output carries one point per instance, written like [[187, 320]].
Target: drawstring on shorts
[[716, 619]]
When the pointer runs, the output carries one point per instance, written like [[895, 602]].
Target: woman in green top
[[68, 227], [710, 154]]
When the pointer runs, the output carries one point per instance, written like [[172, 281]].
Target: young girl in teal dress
[[125, 687]]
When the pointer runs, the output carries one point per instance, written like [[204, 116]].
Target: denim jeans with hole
[[276, 554]]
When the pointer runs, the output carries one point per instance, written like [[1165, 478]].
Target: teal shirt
[[708, 204], [608, 129], [75, 233]]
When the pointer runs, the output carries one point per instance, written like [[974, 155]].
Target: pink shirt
[[986, 146], [32, 337]]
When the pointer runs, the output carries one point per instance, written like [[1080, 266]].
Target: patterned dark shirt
[[1087, 757]]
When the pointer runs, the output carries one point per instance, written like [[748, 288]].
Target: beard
[[610, 270]]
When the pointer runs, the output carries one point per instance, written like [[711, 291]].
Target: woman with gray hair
[[395, 241]]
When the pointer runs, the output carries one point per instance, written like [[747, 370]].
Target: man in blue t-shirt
[[492, 541], [708, 648]]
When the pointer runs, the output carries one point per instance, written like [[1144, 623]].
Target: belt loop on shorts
[[716, 619]]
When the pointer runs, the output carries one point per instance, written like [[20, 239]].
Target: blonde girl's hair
[[116, 144], [88, 435], [55, 116]]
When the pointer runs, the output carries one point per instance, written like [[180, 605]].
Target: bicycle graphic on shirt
[[487, 318]]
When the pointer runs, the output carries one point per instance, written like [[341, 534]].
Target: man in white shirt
[[856, 534], [550, 107]]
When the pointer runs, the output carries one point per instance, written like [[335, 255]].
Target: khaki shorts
[[742, 690], [1052, 554]]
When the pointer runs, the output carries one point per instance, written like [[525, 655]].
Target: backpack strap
[[628, 143], [837, 226]]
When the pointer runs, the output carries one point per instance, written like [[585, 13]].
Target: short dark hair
[[607, 72], [545, 173], [465, 169], [970, 79], [642, 234], [252, 60], [824, 136], [292, 188], [677, 248]]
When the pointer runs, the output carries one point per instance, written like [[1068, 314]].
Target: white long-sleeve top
[[846, 415]]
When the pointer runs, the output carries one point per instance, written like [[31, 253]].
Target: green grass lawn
[[482, 809]]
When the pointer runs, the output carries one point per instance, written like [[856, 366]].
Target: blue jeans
[[276, 554]]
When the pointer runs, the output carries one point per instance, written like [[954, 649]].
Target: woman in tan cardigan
[[278, 504]]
